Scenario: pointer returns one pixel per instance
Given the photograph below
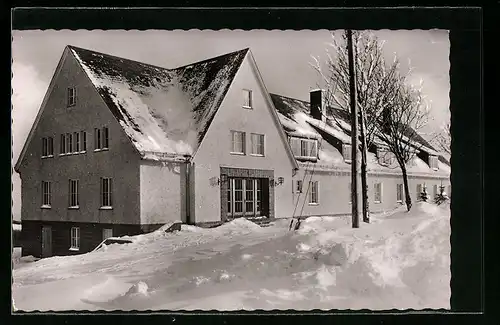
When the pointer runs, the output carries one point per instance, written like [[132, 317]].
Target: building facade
[[121, 147]]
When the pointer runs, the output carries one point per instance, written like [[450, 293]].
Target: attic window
[[347, 152], [71, 96], [247, 98], [304, 148], [385, 157], [433, 162]]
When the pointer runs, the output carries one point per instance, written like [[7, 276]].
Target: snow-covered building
[[121, 147]]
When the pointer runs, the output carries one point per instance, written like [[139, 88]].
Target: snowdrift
[[401, 260]]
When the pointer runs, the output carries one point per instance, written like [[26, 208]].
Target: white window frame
[[47, 147], [420, 187], [74, 194], [83, 140], [46, 195], [75, 239], [76, 144], [71, 96], [435, 191], [298, 186], [69, 143], [347, 152], [296, 144], [234, 133], [313, 185], [255, 146], [398, 192], [247, 99], [433, 162], [107, 233], [379, 194], [106, 197]]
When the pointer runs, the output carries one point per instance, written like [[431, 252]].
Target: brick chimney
[[317, 104]]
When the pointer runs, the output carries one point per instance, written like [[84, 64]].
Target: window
[[46, 194], [238, 142], [76, 138], [84, 141], [419, 190], [399, 193], [247, 98], [75, 238], [306, 148], [378, 193], [106, 192], [313, 192], [298, 186], [434, 191], [105, 138], [385, 157], [73, 193], [347, 152], [107, 233], [69, 143], [71, 96], [257, 144], [433, 162], [47, 147], [62, 148]]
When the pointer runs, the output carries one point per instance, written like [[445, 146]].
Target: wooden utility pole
[[354, 132], [364, 182]]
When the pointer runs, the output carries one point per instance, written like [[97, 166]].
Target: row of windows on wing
[[75, 143], [105, 193], [313, 196]]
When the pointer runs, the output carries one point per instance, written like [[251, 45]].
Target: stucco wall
[[334, 195], [214, 151], [163, 192], [120, 162]]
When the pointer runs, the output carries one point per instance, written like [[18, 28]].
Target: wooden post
[[354, 132]]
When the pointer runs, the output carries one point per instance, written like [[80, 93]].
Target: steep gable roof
[[161, 110]]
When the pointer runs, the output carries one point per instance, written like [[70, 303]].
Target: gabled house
[[121, 147]]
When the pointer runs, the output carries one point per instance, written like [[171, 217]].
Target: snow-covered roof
[[294, 115], [161, 110]]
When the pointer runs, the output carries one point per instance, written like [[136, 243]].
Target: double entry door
[[246, 197]]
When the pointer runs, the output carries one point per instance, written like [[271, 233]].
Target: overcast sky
[[283, 58]]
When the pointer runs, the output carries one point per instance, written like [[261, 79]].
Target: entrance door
[[244, 197], [46, 241]]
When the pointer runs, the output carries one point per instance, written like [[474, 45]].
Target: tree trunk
[[364, 183], [407, 190]]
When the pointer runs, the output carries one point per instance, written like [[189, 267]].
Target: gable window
[[73, 193], [107, 233], [304, 148], [237, 142], [378, 193], [75, 238], [47, 147], [101, 139], [46, 194], [385, 157], [347, 152], [298, 186], [247, 98], [433, 162], [399, 193], [71, 96], [257, 141], [313, 192], [106, 192]]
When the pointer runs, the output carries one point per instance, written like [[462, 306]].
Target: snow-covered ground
[[399, 260]]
